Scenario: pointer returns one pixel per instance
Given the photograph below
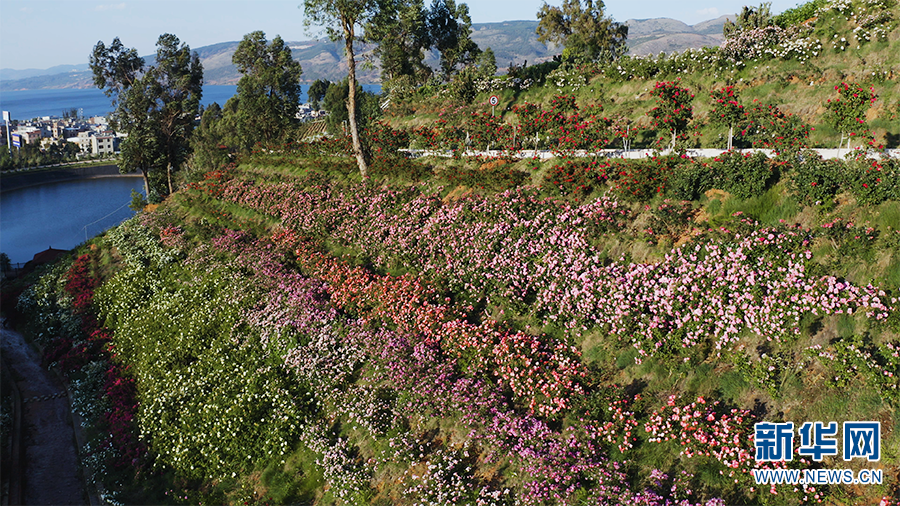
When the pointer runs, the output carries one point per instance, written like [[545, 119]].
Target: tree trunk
[[730, 136], [169, 175], [351, 102], [146, 174]]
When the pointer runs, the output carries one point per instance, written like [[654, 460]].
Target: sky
[[44, 33]]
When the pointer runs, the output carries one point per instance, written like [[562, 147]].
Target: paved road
[[49, 472]]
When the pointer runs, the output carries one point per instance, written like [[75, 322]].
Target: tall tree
[[317, 91], [116, 70], [177, 79], [450, 30], [748, 19], [140, 150], [401, 29], [341, 19], [155, 106], [583, 31], [269, 90]]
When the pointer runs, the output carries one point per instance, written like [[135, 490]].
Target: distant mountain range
[[511, 41]]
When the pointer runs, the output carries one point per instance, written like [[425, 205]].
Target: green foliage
[[815, 181], [450, 29], [268, 92], [799, 14], [316, 92], [744, 175], [673, 110], [216, 138], [154, 105], [583, 31], [401, 30], [138, 201], [367, 111], [847, 113], [748, 19], [34, 155], [689, 181]]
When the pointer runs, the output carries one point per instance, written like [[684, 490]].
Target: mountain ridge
[[513, 42]]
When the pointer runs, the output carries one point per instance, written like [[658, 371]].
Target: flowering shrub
[[670, 218], [496, 175], [875, 181], [728, 110], [847, 112], [815, 181], [543, 374], [753, 43], [705, 429], [565, 127], [766, 126], [641, 180], [578, 177], [673, 110], [745, 175], [561, 279]]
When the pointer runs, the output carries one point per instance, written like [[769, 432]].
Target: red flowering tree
[[766, 126], [728, 110], [673, 109], [847, 112]]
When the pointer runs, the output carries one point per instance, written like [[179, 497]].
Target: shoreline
[[26, 180]]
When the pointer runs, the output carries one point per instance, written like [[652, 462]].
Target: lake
[[30, 104], [62, 215]]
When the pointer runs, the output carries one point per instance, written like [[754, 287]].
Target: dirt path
[[50, 472]]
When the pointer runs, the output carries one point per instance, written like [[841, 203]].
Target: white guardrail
[[544, 154]]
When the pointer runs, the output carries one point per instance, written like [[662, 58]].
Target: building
[[104, 144], [96, 143], [29, 134]]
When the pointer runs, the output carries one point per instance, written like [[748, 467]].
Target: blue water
[[30, 104], [62, 215]]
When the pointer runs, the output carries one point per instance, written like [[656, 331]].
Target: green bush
[[815, 181], [797, 15], [875, 181], [689, 181], [744, 175], [641, 180]]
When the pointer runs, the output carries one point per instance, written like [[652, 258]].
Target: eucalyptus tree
[[401, 29], [583, 30], [155, 105], [345, 20], [116, 70], [450, 29], [177, 82], [269, 90]]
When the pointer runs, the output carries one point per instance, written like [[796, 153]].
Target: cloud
[[711, 12], [24, 9], [110, 7]]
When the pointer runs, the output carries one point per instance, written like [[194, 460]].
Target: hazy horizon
[[76, 27]]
